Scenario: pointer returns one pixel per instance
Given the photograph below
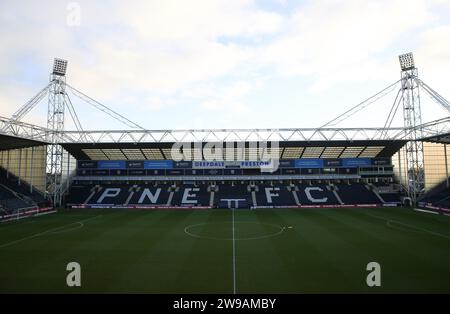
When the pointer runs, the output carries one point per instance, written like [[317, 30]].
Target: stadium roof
[[441, 138], [11, 142], [288, 150], [25, 133]]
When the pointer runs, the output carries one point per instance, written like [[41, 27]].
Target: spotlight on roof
[[406, 61], [59, 67]]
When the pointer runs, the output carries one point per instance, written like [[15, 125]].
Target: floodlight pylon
[[55, 122], [412, 118]]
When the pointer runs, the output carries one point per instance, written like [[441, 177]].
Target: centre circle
[[243, 230]]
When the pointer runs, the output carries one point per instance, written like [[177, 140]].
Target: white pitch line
[[426, 211], [45, 232], [390, 221], [189, 233], [234, 254]]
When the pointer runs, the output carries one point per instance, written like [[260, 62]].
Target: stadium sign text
[[263, 155], [226, 303]]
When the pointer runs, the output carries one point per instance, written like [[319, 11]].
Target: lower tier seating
[[225, 194]]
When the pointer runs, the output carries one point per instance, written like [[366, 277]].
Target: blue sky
[[223, 64]]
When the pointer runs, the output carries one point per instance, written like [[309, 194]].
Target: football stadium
[[311, 210]]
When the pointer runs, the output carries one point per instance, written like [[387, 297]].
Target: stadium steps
[[294, 189], [21, 186], [12, 201], [94, 190], [334, 189], [131, 190], [20, 196], [374, 189], [169, 199], [253, 192], [444, 201], [212, 190]]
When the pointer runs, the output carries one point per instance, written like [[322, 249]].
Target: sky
[[223, 63]]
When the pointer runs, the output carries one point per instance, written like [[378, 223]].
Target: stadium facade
[[43, 168]]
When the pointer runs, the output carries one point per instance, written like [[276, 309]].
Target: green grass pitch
[[203, 251]]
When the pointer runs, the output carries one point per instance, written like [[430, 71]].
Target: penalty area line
[[45, 232], [389, 222]]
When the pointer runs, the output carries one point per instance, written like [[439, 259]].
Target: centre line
[[234, 254]]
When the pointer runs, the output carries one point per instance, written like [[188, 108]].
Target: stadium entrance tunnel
[[243, 230]]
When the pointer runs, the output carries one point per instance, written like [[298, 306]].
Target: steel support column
[[412, 121]]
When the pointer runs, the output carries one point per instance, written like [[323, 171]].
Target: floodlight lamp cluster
[[59, 67], [406, 61]]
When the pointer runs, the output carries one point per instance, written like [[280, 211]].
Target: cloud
[[229, 98], [334, 41], [152, 48], [217, 56], [184, 21], [433, 64], [432, 57]]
